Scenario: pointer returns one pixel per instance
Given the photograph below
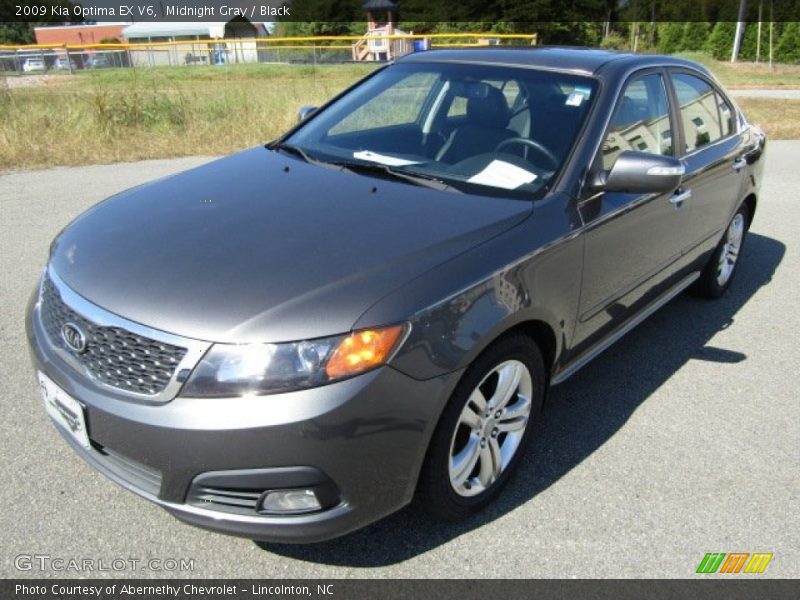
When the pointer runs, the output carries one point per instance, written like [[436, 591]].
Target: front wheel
[[718, 273], [483, 430]]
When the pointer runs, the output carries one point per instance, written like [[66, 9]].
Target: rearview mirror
[[641, 173], [305, 111]]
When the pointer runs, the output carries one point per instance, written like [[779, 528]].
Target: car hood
[[260, 246]]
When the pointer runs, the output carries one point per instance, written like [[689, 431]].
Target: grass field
[[779, 118], [126, 114], [750, 75]]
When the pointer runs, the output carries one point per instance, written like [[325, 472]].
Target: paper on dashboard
[[390, 161], [503, 175]]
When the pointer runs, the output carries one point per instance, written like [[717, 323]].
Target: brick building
[[79, 34]]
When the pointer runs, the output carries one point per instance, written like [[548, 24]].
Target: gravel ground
[[682, 439]]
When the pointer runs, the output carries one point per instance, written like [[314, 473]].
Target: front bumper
[[364, 439]]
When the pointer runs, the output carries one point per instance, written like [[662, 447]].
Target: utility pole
[[739, 30], [770, 33], [758, 36]]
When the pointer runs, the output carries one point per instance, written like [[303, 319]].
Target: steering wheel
[[528, 143]]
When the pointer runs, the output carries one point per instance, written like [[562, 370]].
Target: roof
[[145, 29], [379, 5], [580, 60], [82, 25]]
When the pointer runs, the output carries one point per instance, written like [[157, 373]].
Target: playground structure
[[379, 43]]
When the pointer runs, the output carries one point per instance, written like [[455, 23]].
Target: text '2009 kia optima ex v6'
[[297, 340]]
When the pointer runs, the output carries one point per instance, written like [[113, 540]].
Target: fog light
[[290, 502]]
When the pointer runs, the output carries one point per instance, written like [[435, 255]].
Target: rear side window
[[641, 121], [700, 111]]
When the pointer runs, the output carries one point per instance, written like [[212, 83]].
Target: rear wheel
[[718, 273], [483, 430]]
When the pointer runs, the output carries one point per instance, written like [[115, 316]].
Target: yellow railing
[[302, 42]]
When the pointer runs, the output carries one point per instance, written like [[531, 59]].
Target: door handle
[[739, 164], [680, 196]]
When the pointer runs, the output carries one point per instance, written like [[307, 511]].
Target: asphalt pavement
[[776, 93], [682, 439]]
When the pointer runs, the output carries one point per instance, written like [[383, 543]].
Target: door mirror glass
[[642, 173], [305, 111]]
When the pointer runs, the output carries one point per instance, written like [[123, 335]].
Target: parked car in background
[[31, 65], [294, 341], [64, 64], [98, 61]]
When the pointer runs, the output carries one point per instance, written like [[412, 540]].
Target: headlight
[[236, 370]]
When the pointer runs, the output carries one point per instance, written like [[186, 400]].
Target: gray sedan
[[297, 340]]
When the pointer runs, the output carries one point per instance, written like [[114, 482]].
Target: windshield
[[477, 128]]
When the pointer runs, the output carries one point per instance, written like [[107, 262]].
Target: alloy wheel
[[730, 249], [490, 428]]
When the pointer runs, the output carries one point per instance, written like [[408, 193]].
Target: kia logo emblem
[[73, 337]]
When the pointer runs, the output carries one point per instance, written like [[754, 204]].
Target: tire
[[494, 441], [717, 275]]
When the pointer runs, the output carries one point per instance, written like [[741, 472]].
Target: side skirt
[[576, 365]]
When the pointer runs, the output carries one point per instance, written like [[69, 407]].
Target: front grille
[[113, 355]]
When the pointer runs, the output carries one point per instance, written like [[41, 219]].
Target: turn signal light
[[362, 351]]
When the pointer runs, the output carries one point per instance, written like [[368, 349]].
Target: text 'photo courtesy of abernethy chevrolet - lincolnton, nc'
[[297, 340]]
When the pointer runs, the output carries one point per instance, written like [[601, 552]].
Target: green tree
[[16, 33], [21, 32], [694, 36], [669, 37], [788, 48], [615, 41], [720, 42]]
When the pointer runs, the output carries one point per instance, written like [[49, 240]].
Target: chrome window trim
[[195, 349]]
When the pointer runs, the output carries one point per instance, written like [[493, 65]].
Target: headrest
[[556, 101], [490, 110]]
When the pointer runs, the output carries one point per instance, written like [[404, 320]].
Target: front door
[[631, 239]]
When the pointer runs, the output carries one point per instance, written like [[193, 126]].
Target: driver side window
[[641, 121]]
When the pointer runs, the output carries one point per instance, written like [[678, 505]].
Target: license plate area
[[64, 410]]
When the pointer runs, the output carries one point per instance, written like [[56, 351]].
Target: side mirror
[[305, 111], [641, 173]]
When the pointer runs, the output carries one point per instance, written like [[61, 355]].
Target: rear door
[[632, 240], [712, 151]]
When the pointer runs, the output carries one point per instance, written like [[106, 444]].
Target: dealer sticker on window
[[577, 96]]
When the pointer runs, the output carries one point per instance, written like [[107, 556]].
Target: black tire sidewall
[[435, 490]]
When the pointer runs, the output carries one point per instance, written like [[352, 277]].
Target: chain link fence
[[32, 59]]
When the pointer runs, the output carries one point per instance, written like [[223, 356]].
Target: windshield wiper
[[358, 167], [380, 169], [296, 150]]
